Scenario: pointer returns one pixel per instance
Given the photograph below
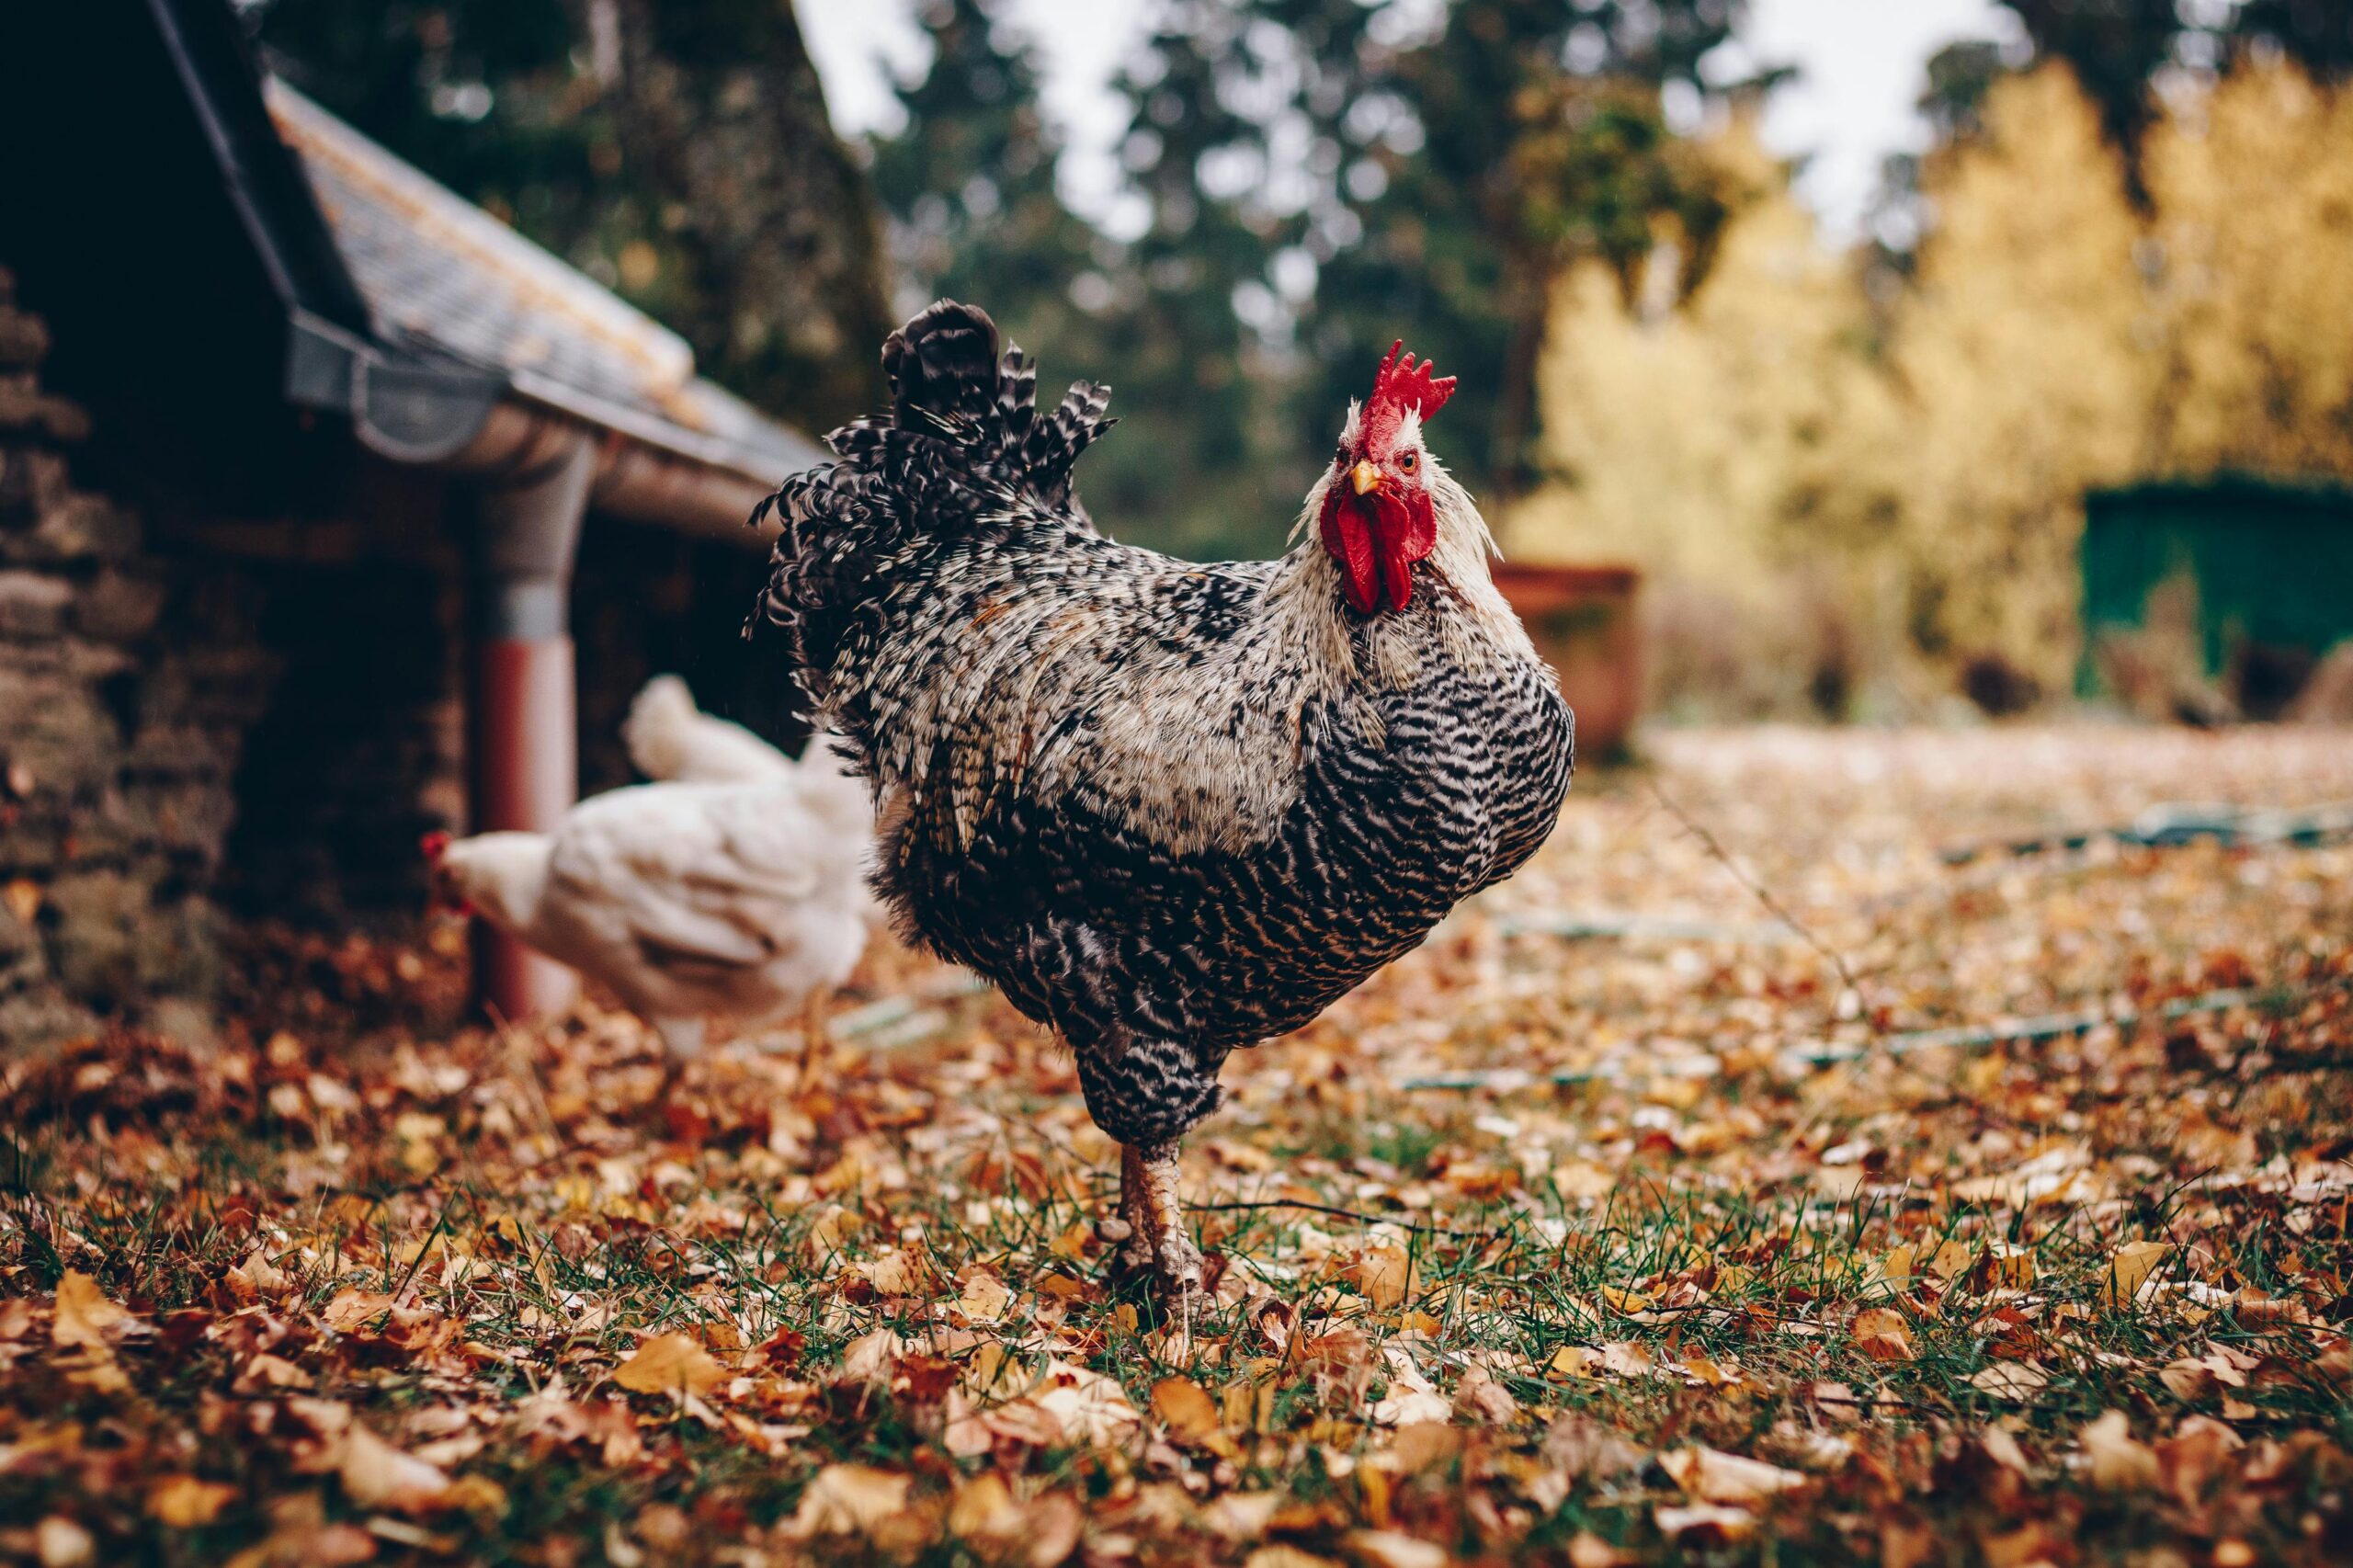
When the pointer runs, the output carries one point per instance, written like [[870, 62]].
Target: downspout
[[523, 748]]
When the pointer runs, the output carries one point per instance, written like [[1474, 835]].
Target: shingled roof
[[441, 276]]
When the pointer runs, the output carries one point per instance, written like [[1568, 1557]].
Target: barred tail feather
[[963, 443]]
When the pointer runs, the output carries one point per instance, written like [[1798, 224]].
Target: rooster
[[740, 900], [1168, 809]]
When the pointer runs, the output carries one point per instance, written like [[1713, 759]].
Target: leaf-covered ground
[[1633, 1219]]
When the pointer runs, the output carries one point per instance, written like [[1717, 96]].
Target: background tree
[[680, 153], [2253, 194]]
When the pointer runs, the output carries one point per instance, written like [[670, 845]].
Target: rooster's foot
[[1155, 1242]]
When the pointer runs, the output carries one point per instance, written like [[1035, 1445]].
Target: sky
[[1862, 64]]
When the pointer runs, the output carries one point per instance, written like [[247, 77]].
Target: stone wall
[[125, 694]]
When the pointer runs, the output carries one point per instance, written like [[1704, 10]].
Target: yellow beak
[[1364, 476]]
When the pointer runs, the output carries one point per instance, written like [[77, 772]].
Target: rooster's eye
[[1408, 460]]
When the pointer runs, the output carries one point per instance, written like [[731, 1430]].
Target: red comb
[[435, 843], [1404, 384]]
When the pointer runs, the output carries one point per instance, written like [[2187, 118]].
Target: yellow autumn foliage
[[2252, 190], [1809, 481]]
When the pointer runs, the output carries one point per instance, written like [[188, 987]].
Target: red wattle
[[1376, 538]]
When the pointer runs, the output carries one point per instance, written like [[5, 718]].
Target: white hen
[[742, 899]]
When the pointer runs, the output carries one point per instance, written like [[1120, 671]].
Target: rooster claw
[[1151, 1235]]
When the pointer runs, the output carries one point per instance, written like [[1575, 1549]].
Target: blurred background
[[1835, 318]]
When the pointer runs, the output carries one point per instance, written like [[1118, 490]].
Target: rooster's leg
[[1148, 1094], [1150, 1174]]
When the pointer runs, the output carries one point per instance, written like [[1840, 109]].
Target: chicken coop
[[331, 511]]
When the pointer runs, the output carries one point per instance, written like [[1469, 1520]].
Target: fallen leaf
[[377, 1475], [2013, 1382], [850, 1499], [183, 1503], [1411, 1397], [1391, 1549], [2189, 1461], [2132, 1264], [1882, 1335], [985, 1299], [1187, 1410], [84, 1316], [672, 1364], [1718, 1477], [1704, 1523], [2119, 1463], [1385, 1274]]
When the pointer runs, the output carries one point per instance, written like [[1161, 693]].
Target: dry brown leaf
[[1714, 1476], [2119, 1463], [672, 1364], [1704, 1524], [1391, 1549], [2189, 1461], [1480, 1398], [184, 1502], [903, 1272], [84, 1316], [2012, 1382], [1187, 1410], [377, 1475], [1882, 1335], [985, 1299], [850, 1499], [1385, 1274]]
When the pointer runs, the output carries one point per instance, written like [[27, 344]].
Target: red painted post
[[526, 776], [522, 745]]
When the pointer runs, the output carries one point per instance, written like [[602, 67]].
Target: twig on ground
[[1348, 1214], [1760, 891]]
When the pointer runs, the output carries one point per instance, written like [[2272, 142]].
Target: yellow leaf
[[1882, 1335], [183, 1503], [22, 897], [2132, 1264], [1949, 1261], [984, 1505], [1573, 1362], [669, 1363], [84, 1313], [2010, 1267], [1185, 1410]]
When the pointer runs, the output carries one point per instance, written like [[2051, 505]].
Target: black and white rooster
[[1169, 808]]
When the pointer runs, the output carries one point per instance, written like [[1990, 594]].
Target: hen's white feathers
[[739, 898], [669, 738]]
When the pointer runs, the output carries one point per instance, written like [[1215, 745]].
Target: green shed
[[2269, 565]]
